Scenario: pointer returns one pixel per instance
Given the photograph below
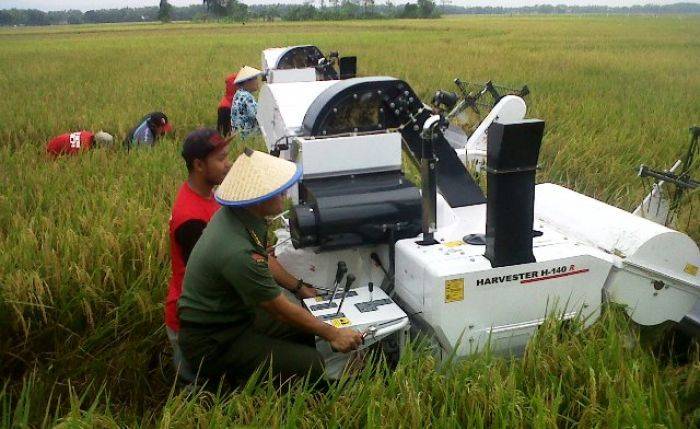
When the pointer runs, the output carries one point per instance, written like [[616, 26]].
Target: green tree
[[165, 11], [426, 8]]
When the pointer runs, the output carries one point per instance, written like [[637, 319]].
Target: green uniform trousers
[[269, 343]]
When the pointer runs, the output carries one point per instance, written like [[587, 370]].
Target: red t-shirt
[[188, 206], [70, 143], [231, 89]]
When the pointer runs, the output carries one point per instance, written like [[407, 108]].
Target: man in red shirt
[[224, 111], [73, 143], [206, 157]]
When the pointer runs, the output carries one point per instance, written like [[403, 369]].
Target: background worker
[[152, 127], [78, 141], [224, 110], [205, 153], [244, 107], [229, 278]]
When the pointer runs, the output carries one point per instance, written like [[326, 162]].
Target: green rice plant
[[84, 261]]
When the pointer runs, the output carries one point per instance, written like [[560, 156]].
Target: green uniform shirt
[[227, 274]]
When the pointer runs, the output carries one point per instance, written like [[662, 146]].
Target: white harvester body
[[585, 251]]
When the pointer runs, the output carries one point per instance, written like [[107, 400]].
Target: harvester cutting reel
[[473, 96], [471, 114], [662, 207]]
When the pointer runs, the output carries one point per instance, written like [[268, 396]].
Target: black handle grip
[[340, 272], [349, 281], [370, 286]]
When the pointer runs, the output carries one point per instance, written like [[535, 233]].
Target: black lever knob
[[348, 282], [340, 272]]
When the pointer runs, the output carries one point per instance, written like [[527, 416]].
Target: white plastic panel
[[282, 107], [340, 155], [637, 240], [292, 75]]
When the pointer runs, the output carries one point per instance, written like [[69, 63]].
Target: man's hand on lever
[[306, 291], [342, 340], [346, 340]]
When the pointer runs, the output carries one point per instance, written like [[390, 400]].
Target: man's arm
[[286, 280], [187, 236], [343, 340]]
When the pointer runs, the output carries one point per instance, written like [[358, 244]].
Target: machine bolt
[[335, 110], [354, 96], [416, 128], [379, 92], [471, 326], [397, 111], [658, 284], [656, 294], [392, 105]]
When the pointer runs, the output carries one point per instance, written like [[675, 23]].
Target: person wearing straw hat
[[244, 107], [228, 280], [76, 142]]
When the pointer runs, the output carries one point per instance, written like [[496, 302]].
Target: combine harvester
[[305, 63], [465, 268]]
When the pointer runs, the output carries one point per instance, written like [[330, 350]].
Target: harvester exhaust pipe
[[513, 149]]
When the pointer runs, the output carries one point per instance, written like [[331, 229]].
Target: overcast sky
[[84, 5]]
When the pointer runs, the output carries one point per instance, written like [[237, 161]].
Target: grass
[[85, 262]]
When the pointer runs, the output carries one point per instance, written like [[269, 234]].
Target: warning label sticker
[[691, 269], [340, 322], [454, 290]]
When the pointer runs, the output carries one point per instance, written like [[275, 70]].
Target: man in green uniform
[[228, 282]]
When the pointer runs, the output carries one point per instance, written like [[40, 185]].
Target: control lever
[[339, 273], [348, 282], [370, 286]]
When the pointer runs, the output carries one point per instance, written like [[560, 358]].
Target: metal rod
[[668, 177], [348, 281], [339, 273]]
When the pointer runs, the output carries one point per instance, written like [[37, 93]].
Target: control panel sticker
[[341, 322], [454, 290], [453, 243], [691, 269]]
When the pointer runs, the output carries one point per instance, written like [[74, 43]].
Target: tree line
[[234, 10]]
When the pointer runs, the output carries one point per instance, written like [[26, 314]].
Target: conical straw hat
[[246, 73], [256, 177]]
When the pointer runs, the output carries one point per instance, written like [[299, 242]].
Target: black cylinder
[[348, 211], [512, 153]]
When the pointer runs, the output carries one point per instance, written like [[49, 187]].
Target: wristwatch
[[300, 284]]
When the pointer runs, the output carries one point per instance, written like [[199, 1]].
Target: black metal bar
[[668, 177], [429, 188]]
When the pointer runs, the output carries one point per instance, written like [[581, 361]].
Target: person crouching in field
[[235, 311], [76, 142], [224, 111], [152, 127], [206, 156], [244, 107]]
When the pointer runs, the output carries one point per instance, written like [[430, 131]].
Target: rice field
[[84, 249]]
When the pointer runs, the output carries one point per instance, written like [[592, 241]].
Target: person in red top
[[73, 143], [224, 111], [206, 156]]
